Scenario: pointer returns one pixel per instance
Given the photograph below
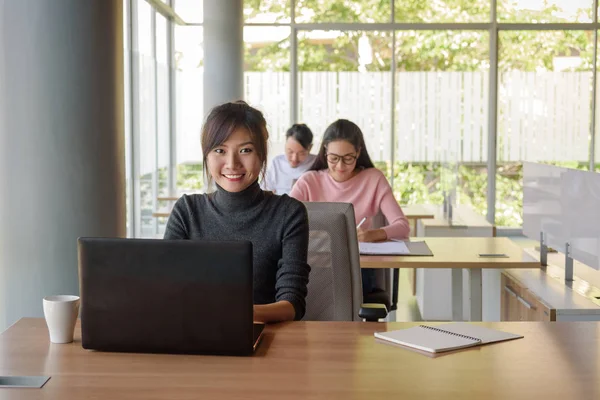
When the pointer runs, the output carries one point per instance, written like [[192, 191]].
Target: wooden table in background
[[421, 211], [457, 253], [168, 198], [317, 360]]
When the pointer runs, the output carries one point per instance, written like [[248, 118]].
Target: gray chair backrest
[[335, 285]]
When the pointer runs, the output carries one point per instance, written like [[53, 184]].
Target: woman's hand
[[282, 310], [371, 235], [363, 235]]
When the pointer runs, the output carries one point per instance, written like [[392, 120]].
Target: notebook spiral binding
[[451, 333]]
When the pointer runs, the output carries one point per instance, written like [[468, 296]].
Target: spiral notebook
[[446, 337]]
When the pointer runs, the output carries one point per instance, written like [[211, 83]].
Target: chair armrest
[[372, 312]]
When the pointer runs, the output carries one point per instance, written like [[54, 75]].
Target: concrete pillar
[[223, 52], [62, 171]]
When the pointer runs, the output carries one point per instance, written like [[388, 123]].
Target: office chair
[[386, 280], [335, 285]]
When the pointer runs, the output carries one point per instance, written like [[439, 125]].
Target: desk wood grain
[[458, 252], [328, 360]]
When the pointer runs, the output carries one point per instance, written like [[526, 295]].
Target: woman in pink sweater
[[344, 172]]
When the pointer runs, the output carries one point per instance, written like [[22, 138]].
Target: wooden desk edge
[[378, 262]]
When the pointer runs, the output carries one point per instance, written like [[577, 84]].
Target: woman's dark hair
[[225, 119], [301, 133], [342, 129]]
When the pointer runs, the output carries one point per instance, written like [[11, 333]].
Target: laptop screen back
[[166, 296]]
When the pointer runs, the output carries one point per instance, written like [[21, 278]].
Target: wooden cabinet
[[509, 306], [519, 304], [533, 309]]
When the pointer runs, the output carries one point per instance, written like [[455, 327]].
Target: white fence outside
[[439, 116]]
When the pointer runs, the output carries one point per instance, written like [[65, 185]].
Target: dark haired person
[[234, 146], [286, 168], [344, 172]]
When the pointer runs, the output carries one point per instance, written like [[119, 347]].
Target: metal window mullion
[[136, 200], [172, 82], [421, 26], [594, 90], [155, 95], [130, 93], [393, 111], [569, 26], [492, 117], [386, 26], [293, 66]]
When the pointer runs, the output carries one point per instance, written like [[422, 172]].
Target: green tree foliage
[[418, 50]]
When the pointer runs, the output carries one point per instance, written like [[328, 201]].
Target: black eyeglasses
[[335, 158]]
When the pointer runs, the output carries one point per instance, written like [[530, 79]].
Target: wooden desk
[[416, 212], [457, 253], [465, 222], [165, 213], [317, 360], [434, 290], [421, 211], [168, 198]]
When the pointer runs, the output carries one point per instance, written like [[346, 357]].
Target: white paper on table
[[383, 248]]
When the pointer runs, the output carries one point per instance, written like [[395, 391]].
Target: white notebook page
[[436, 341], [389, 248], [426, 339]]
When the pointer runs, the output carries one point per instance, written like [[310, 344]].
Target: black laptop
[[167, 296]]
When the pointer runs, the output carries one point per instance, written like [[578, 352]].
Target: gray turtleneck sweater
[[277, 226]]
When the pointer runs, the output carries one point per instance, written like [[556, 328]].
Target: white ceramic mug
[[61, 314]]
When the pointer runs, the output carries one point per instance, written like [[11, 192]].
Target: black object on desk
[[492, 255]]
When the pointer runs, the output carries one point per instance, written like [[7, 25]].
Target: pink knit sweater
[[368, 191]]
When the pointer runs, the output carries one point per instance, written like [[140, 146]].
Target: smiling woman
[[234, 145], [235, 163]]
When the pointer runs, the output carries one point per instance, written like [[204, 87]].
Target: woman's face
[[341, 159], [294, 152], [234, 165]]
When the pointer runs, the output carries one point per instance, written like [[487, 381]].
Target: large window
[[347, 75], [545, 11], [267, 78], [189, 75], [165, 113], [145, 98], [544, 108], [441, 116], [343, 11], [414, 75], [442, 11]]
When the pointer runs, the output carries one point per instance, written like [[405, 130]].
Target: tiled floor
[[408, 310]]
